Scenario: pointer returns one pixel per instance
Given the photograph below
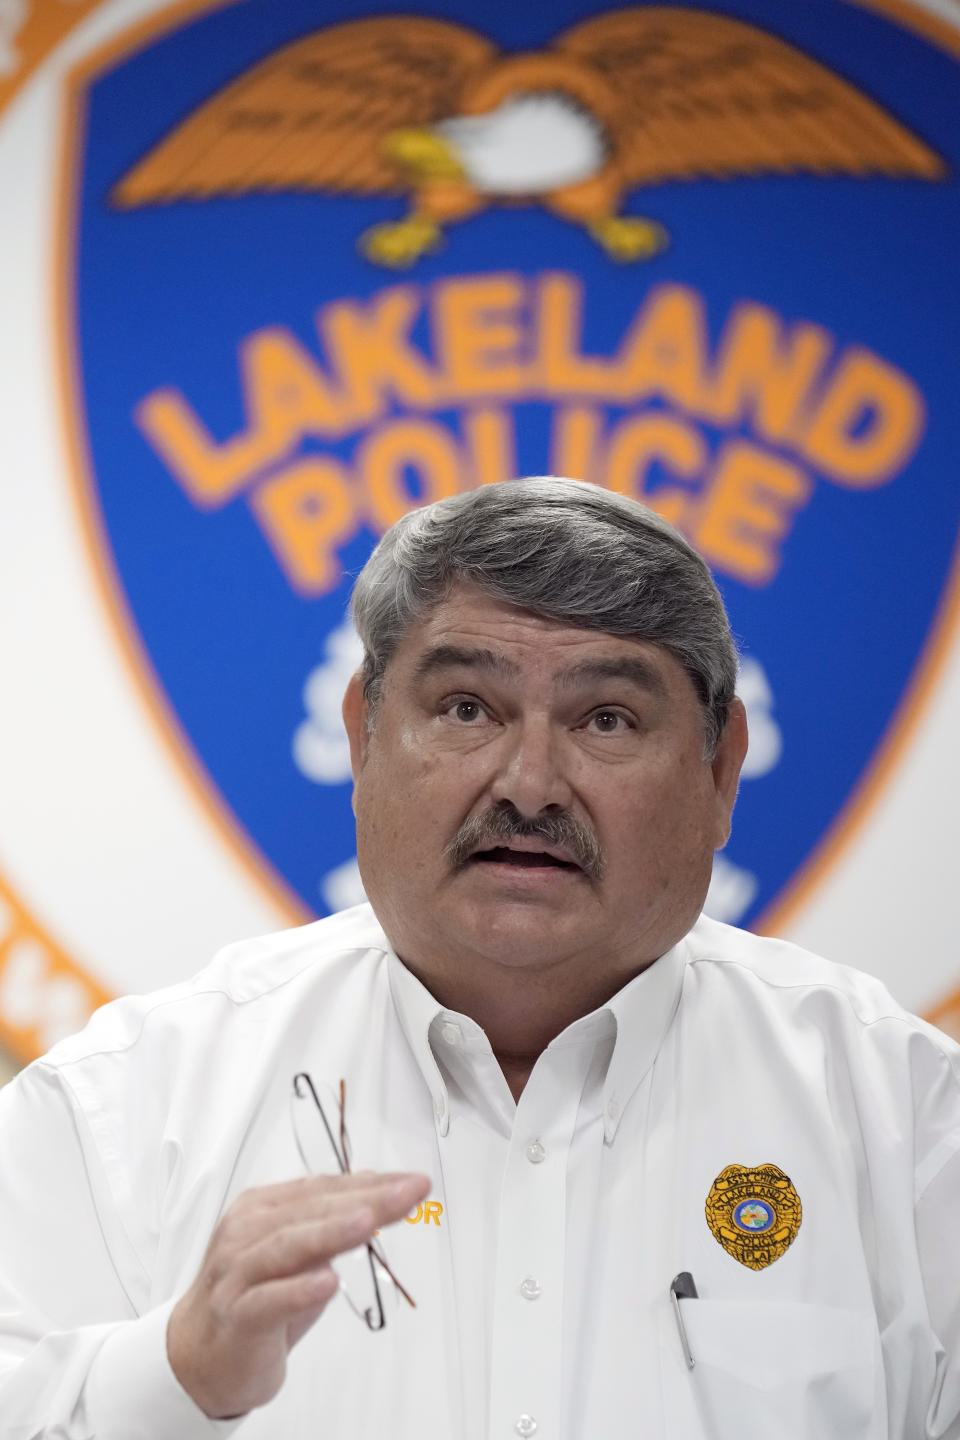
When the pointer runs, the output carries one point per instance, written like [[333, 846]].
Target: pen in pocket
[[682, 1287]]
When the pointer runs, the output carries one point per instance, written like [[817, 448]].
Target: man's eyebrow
[[448, 657], [628, 667]]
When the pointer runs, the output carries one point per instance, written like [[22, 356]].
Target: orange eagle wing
[[313, 115], [699, 94]]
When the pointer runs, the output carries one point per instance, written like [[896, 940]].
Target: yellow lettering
[[576, 435], [663, 352], [384, 458], [500, 334], [210, 473], [288, 396], [563, 369], [305, 513], [490, 445], [868, 424], [747, 511], [764, 373], [432, 1210], [370, 347], [415, 1216], [638, 443], [479, 330]]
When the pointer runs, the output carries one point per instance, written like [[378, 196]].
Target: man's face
[[488, 710]]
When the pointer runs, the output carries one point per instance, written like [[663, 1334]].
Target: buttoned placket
[[478, 1112], [505, 1181], [526, 1381]]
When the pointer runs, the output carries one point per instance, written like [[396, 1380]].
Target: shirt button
[[530, 1288], [450, 1033], [613, 1108], [440, 1107], [536, 1155], [526, 1425]]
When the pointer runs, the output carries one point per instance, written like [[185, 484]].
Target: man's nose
[[531, 774]]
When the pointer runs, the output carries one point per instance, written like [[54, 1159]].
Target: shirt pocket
[[783, 1369]]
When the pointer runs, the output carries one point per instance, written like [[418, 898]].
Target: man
[[641, 1174]]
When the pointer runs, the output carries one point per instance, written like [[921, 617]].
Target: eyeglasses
[[366, 1280]]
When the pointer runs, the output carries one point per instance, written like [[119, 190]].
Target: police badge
[[754, 1214]]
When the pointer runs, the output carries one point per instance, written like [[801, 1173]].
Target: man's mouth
[[551, 844], [523, 859]]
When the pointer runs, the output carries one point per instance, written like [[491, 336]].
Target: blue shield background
[[164, 294]]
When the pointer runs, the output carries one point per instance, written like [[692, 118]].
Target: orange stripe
[[177, 743], [47, 23], [43, 992], [927, 671], [38, 979], [947, 1015], [920, 21]]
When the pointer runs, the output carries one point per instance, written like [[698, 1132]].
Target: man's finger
[[296, 1249], [348, 1218], [312, 1188], [292, 1202]]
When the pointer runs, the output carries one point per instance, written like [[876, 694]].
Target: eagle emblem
[[431, 110], [754, 1213]]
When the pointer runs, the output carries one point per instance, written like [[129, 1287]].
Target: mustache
[[504, 822]]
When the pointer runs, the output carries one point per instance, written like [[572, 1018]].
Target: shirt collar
[[642, 1012], [418, 1010]]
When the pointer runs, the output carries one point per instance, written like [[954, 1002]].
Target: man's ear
[[355, 711], [726, 765]]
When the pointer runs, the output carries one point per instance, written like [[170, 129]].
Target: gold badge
[[754, 1213]]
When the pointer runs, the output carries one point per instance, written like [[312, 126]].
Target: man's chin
[[525, 926], [502, 920]]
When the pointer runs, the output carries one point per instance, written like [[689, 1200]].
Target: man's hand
[[267, 1277]]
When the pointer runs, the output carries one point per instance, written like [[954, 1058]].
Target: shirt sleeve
[[938, 1244], [78, 1359]]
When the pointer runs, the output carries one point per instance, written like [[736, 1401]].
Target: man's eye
[[608, 722], [468, 712]]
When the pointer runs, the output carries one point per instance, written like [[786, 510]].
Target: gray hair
[[564, 550]]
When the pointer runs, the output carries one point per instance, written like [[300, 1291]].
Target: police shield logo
[[335, 264], [754, 1213]]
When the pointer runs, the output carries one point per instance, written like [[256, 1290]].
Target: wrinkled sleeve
[[78, 1361], [938, 1235]]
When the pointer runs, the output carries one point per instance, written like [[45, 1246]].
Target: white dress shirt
[[543, 1283]]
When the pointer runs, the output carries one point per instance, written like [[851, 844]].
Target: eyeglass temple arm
[[381, 1261], [340, 1153]]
